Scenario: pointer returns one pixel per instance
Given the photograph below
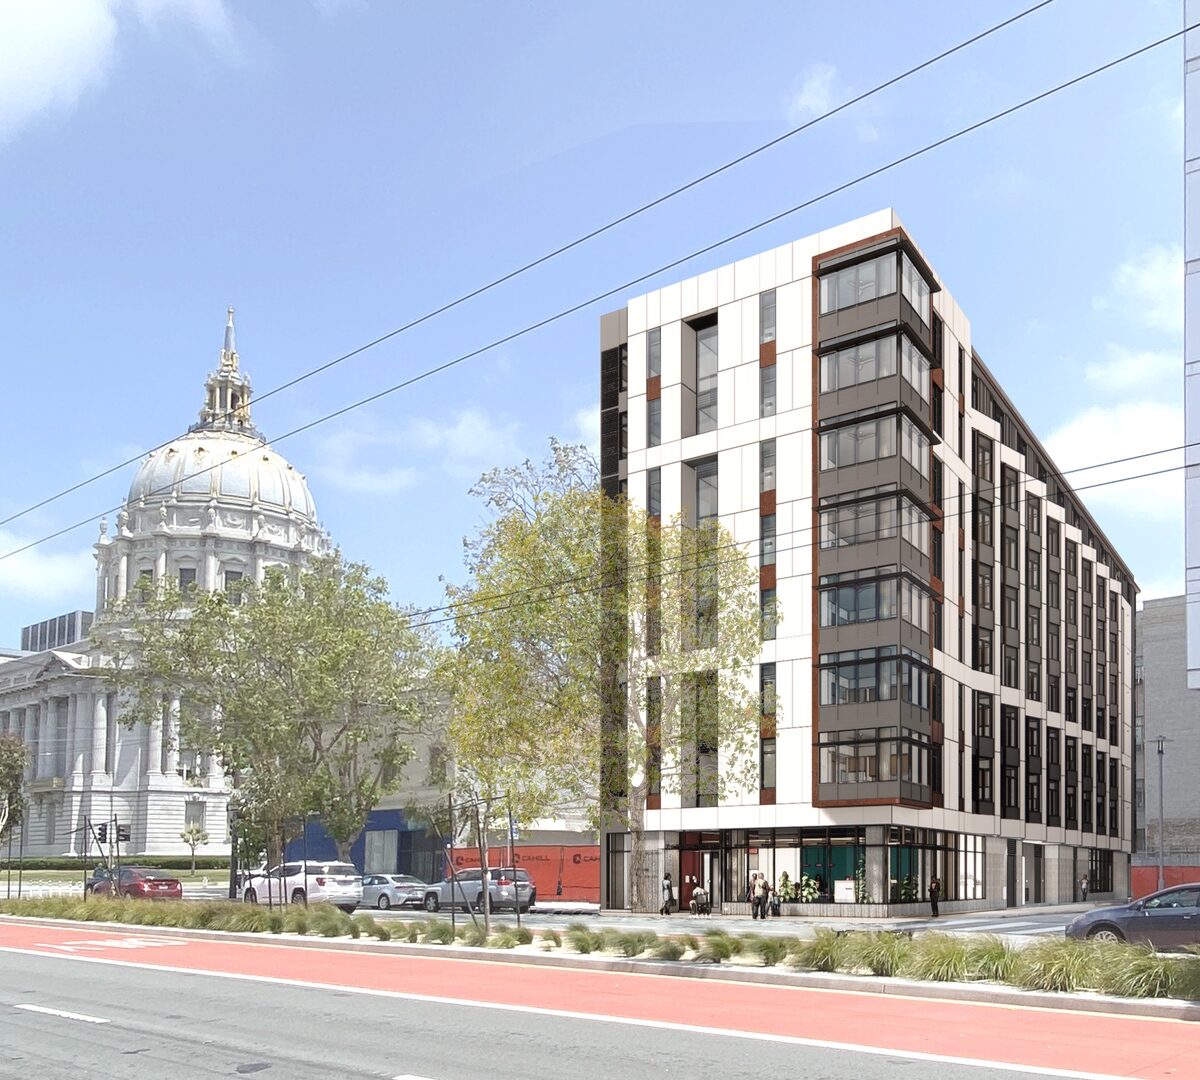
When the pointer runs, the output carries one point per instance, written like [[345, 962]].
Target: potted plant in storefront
[[787, 889], [862, 894], [809, 889]]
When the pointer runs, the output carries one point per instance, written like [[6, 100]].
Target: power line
[[565, 312], [562, 249], [961, 512], [946, 516]]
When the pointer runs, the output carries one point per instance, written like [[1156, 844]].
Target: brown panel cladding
[[766, 354], [766, 796], [766, 502], [653, 802], [654, 388], [766, 577], [937, 378], [916, 804]]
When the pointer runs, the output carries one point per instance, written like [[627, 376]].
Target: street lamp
[[1162, 830]]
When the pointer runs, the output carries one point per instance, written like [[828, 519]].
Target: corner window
[[767, 764], [766, 318], [858, 364], [914, 367], [654, 492], [856, 444], [859, 284], [654, 353], [654, 422], [706, 377], [914, 446], [914, 289], [767, 539]]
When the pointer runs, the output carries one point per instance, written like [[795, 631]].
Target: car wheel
[[251, 897], [299, 897], [431, 902], [349, 909], [383, 903], [1106, 933]]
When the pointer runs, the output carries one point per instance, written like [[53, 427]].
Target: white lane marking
[[62, 1013], [113, 943], [566, 1014], [409, 1076]]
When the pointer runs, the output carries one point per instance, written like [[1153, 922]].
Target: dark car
[[141, 883], [101, 873], [1169, 919]]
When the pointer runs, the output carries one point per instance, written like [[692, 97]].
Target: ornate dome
[[232, 468]]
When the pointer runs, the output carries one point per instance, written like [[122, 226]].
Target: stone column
[[99, 732], [30, 739], [66, 734], [41, 714], [154, 744], [122, 575], [876, 865], [160, 567], [171, 736], [78, 742]]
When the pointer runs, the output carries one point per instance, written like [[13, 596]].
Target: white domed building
[[215, 506]]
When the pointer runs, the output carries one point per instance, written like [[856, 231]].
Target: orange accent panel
[[654, 388], [766, 796], [653, 802], [766, 354], [937, 378], [579, 865], [766, 577], [766, 502]]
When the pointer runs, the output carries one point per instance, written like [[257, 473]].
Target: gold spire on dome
[[227, 391]]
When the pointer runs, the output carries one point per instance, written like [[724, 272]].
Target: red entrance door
[[689, 873]]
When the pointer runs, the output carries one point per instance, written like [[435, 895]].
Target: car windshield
[[155, 875], [1179, 898], [400, 879], [338, 869]]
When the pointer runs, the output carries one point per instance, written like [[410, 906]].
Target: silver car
[[392, 890], [505, 890]]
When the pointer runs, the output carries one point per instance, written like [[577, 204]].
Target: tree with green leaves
[[623, 647], [194, 836], [13, 759], [310, 686]]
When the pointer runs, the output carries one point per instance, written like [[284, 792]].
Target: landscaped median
[[1129, 971]]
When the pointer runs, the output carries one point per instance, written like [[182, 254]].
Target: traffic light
[[123, 834], [102, 833]]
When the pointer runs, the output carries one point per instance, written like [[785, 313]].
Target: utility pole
[[1162, 832]]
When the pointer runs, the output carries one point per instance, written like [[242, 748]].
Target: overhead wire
[[560, 250], [565, 312]]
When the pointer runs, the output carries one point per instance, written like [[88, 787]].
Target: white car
[[336, 883], [392, 890]]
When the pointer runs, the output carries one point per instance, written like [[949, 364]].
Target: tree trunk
[[343, 849], [193, 860], [644, 893], [485, 897]]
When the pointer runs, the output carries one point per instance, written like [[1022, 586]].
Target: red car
[[142, 883]]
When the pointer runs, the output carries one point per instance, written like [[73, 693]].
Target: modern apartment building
[[950, 682]]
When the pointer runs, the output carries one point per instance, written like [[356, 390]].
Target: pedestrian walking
[[935, 892], [1083, 887], [668, 894], [758, 904]]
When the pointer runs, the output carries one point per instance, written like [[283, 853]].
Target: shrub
[[1057, 966], [879, 951], [717, 946], [553, 938], [415, 930], [936, 958], [506, 939], [772, 950], [990, 958], [523, 935], [1135, 971], [689, 942], [668, 949], [583, 940], [634, 943], [296, 921], [329, 921], [440, 933], [1187, 975], [473, 936], [824, 952], [275, 922]]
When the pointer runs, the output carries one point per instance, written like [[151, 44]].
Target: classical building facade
[[949, 690], [210, 508]]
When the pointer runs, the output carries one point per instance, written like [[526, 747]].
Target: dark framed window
[[766, 390], [654, 422], [654, 353], [766, 320], [766, 465]]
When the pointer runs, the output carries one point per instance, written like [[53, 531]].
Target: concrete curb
[[974, 992]]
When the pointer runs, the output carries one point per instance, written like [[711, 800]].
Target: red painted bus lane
[[1076, 1043]]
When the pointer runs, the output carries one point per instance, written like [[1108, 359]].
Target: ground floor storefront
[[860, 870]]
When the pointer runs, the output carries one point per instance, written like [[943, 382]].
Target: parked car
[[1168, 919], [139, 883], [100, 873], [392, 890], [507, 889], [336, 883]]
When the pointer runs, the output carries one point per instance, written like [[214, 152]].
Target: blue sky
[[334, 168]]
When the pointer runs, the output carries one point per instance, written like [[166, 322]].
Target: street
[[131, 1004]]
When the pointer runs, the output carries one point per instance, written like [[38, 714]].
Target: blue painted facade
[[416, 852]]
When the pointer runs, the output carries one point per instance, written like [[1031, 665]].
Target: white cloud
[[53, 51], [585, 427], [55, 578], [815, 94], [370, 460], [1130, 369], [1149, 288], [1106, 433]]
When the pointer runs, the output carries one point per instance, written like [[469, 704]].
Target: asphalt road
[[195, 1025]]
